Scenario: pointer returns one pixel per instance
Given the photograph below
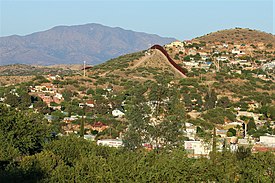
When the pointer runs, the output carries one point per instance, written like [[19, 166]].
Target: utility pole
[[84, 108], [84, 68], [83, 122]]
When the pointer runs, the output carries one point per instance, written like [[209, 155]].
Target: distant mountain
[[93, 43], [238, 35]]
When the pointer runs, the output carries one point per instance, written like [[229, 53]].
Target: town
[[211, 116]]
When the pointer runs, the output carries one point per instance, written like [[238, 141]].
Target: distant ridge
[[93, 43]]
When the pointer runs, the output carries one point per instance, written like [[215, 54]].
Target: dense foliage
[[71, 159]]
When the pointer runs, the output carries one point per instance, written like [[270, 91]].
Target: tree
[[25, 130], [138, 117], [187, 58], [25, 101], [224, 102], [41, 106], [12, 100], [67, 95], [210, 99], [231, 132]]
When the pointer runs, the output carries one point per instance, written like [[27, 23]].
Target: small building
[[110, 142], [222, 58], [197, 148], [175, 44], [99, 126], [90, 137], [268, 140], [117, 113], [221, 133], [90, 103]]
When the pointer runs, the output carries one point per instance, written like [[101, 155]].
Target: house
[[99, 126], [225, 45], [261, 148], [237, 51], [117, 113], [190, 130], [110, 142], [222, 58], [51, 77], [191, 64], [192, 52], [221, 133], [197, 148], [90, 137], [175, 44], [204, 57], [69, 119], [253, 105], [205, 65], [188, 42], [90, 103], [59, 96], [234, 124], [268, 140]]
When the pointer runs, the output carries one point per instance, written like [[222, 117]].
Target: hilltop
[[238, 35], [93, 43]]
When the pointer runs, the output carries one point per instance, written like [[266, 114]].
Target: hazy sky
[[182, 19]]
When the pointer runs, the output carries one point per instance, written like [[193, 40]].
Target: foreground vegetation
[[29, 152], [71, 159]]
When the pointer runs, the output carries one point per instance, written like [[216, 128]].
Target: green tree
[[12, 100], [224, 102], [231, 132], [210, 99], [138, 118], [25, 130], [67, 95]]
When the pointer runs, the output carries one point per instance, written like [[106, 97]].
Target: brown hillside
[[238, 35]]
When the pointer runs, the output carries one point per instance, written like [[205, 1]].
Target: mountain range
[[93, 43]]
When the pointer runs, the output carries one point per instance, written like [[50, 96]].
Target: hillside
[[94, 43], [238, 35], [140, 66], [31, 70]]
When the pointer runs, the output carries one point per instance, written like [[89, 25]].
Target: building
[[268, 140], [175, 44], [99, 126], [90, 103], [197, 148], [117, 113], [110, 142]]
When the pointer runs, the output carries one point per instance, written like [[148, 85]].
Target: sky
[[181, 19]]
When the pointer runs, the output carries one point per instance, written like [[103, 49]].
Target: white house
[[237, 51], [110, 142], [197, 148], [191, 64], [190, 130], [222, 58], [90, 103], [268, 140], [117, 113], [58, 95]]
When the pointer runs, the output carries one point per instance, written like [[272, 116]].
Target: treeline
[[71, 159]]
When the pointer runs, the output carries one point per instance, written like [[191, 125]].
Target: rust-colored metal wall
[[160, 48]]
